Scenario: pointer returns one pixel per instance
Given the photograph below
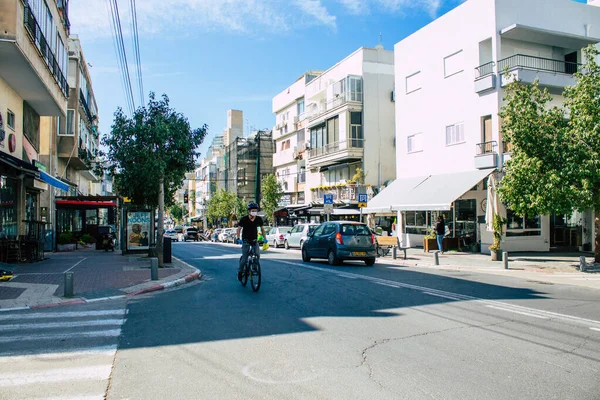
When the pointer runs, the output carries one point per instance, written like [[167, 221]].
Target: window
[[453, 64], [416, 222], [356, 133], [523, 226], [455, 134], [320, 230], [329, 229], [415, 143], [300, 109], [355, 89], [31, 125], [413, 82], [333, 130], [317, 136], [486, 129], [10, 119], [285, 145]]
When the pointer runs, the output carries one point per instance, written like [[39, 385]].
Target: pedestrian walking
[[440, 230]]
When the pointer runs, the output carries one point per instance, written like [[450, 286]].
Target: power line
[[136, 50], [121, 54], [109, 9]]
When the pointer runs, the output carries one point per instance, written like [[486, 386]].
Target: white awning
[[345, 211], [382, 203], [430, 193]]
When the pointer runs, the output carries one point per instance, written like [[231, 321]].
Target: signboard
[[285, 201], [328, 208], [138, 229], [362, 200], [328, 199]]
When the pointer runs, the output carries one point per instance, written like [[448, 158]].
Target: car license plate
[[359, 253]]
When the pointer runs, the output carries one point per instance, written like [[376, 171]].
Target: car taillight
[[281, 237], [372, 238], [338, 238]]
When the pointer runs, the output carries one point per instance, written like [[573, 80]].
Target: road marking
[[441, 295], [67, 314], [595, 329], [459, 297], [99, 372], [60, 336], [67, 324], [96, 397], [387, 284], [55, 354], [517, 312], [76, 264]]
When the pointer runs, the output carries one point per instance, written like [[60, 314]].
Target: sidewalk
[[98, 275]]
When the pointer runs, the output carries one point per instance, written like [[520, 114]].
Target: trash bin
[[167, 250]]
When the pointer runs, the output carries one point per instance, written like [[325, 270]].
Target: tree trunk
[[597, 235], [160, 223]]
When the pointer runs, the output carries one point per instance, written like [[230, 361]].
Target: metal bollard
[[582, 264], [505, 259], [394, 252], [154, 268], [436, 258], [68, 284]]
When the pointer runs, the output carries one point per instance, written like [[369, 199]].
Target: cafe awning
[[430, 193], [49, 179]]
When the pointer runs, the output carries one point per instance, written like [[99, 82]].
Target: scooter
[[108, 242]]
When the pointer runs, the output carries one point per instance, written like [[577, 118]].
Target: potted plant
[[66, 242], [498, 226], [430, 240]]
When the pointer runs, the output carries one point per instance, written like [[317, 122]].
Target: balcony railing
[[341, 192], [484, 70], [537, 64], [332, 148], [339, 100], [40, 41], [487, 147], [85, 106]]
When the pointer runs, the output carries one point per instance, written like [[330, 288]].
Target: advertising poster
[[139, 225]]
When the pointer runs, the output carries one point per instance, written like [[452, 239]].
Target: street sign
[[328, 208], [362, 200], [328, 199]]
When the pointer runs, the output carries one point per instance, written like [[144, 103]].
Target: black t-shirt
[[250, 228]]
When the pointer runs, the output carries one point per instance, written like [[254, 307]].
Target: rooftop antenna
[[380, 45]]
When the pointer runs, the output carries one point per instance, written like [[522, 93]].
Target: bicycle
[[252, 270]]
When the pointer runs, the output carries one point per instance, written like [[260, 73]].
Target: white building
[[449, 91], [350, 125], [289, 134]]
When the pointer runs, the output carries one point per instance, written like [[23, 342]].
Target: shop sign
[[40, 166], [286, 200]]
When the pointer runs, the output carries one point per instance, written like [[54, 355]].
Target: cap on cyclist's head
[[252, 206]]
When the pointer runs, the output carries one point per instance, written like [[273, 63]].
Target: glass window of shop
[[523, 226], [8, 207], [466, 219], [68, 220], [31, 206], [91, 217]]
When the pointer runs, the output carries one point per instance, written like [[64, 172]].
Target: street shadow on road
[[292, 293]]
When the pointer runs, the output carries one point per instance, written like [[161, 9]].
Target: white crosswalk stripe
[[58, 354]]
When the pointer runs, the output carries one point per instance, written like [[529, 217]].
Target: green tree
[[177, 211], [240, 208], [149, 154], [222, 204], [271, 195], [556, 150]]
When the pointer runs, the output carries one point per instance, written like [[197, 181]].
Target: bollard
[[436, 257], [582, 264], [505, 259], [154, 268], [68, 284], [394, 252]]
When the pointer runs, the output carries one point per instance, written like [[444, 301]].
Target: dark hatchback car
[[339, 241], [190, 233]]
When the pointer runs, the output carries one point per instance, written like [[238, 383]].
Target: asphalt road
[[356, 332]]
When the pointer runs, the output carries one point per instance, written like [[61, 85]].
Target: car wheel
[[332, 259], [370, 262], [301, 244], [305, 256], [275, 244], [286, 245]]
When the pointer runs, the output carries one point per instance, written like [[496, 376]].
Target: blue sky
[[209, 56]]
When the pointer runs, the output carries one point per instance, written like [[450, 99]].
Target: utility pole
[[257, 180]]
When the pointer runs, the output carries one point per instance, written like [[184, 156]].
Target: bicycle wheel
[[255, 278], [245, 274]]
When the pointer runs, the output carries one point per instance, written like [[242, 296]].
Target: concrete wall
[[10, 100]]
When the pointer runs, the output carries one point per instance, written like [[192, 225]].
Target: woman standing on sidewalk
[[440, 230]]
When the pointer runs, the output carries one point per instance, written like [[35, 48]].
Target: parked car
[[172, 235], [339, 241], [223, 234], [276, 236], [229, 235], [297, 236], [190, 233], [215, 235]]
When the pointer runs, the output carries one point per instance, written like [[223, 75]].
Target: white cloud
[[431, 6], [356, 7], [317, 12]]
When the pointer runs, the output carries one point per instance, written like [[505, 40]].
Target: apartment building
[[33, 84], [349, 126], [206, 186], [289, 134], [450, 79]]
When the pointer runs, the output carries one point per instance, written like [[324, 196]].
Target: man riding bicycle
[[249, 225]]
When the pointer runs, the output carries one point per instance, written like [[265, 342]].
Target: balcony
[[316, 110], [334, 153], [86, 108], [486, 155], [341, 192], [551, 73], [485, 77]]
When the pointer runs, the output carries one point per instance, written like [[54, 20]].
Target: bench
[[391, 241]]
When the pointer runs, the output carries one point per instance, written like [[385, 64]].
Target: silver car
[[297, 236], [276, 236]]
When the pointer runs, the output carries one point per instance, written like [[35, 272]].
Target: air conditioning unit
[[296, 119], [295, 153]]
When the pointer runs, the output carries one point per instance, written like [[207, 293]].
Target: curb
[[167, 285]]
